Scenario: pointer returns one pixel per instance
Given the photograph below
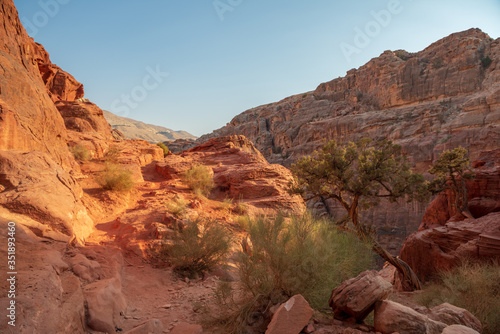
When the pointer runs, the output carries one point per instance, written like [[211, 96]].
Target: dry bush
[[199, 180], [80, 152], [199, 247], [116, 178], [472, 286], [302, 256], [178, 207], [112, 154]]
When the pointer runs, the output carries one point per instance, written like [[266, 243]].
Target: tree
[[358, 175], [452, 169]]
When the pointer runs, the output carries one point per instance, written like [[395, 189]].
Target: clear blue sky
[[223, 57]]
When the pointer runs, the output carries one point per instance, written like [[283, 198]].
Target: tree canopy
[[357, 175]]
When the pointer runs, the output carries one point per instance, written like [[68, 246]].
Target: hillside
[[442, 97], [133, 129]]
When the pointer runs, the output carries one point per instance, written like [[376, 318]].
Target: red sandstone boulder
[[391, 317], [291, 317], [453, 315], [357, 296]]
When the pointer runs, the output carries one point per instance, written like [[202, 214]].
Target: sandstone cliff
[[439, 98]]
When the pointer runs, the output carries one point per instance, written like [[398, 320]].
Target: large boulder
[[453, 315], [357, 296], [392, 317], [291, 317], [105, 305]]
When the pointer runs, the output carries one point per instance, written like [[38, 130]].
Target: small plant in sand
[[473, 286], [116, 178], [199, 180], [80, 152], [198, 248]]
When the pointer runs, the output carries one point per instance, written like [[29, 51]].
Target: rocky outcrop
[[483, 193], [60, 85], [84, 116], [34, 185], [240, 172], [441, 248], [28, 118], [445, 238], [439, 98]]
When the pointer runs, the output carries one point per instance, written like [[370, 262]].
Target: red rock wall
[[28, 118]]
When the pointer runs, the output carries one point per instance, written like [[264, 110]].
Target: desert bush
[[472, 286], [116, 178], [299, 256], [178, 207], [198, 248], [199, 180], [80, 152], [112, 154], [486, 61], [164, 147]]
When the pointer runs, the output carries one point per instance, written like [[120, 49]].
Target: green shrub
[[116, 178], [472, 286], [80, 152], [199, 180], [486, 61], [198, 248], [302, 256], [165, 149], [178, 207]]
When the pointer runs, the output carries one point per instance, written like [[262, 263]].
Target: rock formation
[[445, 238], [240, 173], [439, 98], [28, 118]]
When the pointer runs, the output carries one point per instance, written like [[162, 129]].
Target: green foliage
[[199, 180], [178, 207], [164, 147], [80, 152], [473, 286], [452, 169], [198, 248], [364, 170], [357, 175], [116, 178], [299, 256], [486, 61]]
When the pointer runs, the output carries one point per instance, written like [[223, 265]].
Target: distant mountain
[[133, 129]]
